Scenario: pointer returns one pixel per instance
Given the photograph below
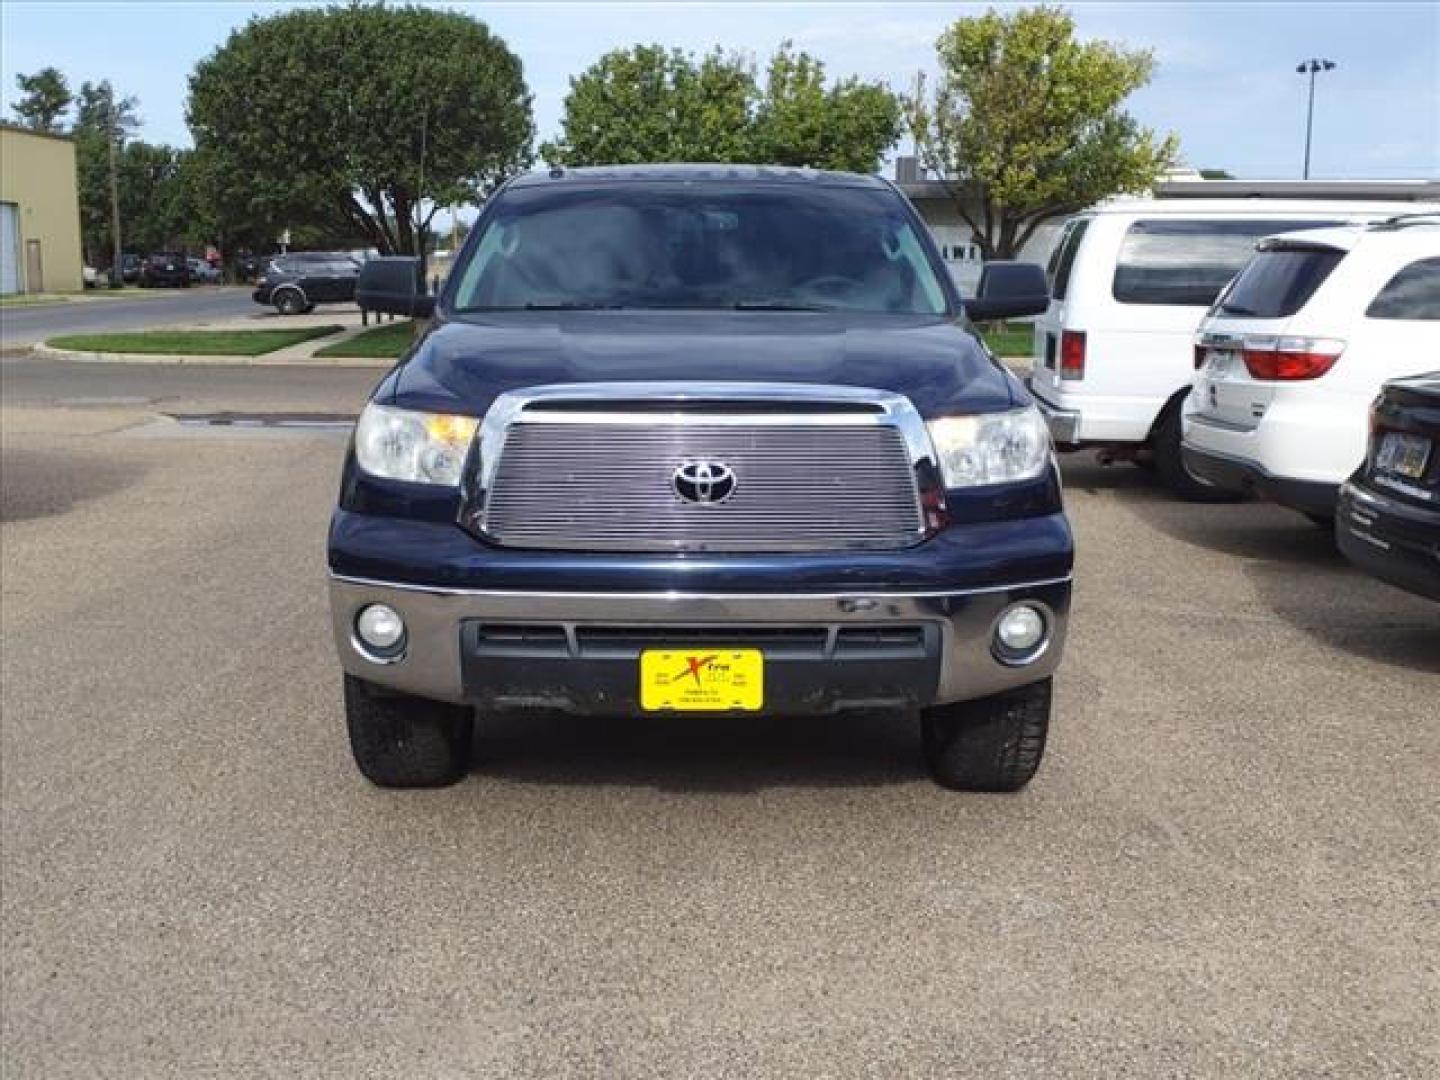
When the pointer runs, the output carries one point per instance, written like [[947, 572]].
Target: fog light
[[381, 628], [1020, 633]]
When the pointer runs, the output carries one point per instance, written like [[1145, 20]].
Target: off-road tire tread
[[990, 744], [400, 741]]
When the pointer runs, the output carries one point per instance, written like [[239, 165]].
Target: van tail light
[[1291, 359], [1072, 354]]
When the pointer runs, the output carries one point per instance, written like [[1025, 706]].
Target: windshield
[[799, 247]]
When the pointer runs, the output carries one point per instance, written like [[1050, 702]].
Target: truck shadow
[[730, 755]]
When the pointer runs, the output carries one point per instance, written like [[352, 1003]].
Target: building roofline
[[6, 125]]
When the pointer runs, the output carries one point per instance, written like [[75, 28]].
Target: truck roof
[[692, 173]]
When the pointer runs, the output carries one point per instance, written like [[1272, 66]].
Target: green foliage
[[194, 342], [799, 121], [44, 99], [650, 104], [1028, 120], [101, 117], [385, 342], [358, 115]]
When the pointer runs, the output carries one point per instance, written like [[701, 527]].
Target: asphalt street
[[26, 324], [1225, 868]]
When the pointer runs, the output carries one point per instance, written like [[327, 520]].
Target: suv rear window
[[1276, 283], [1188, 262], [1413, 293], [1062, 261]]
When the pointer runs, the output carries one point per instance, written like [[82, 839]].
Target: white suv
[[1130, 281], [1296, 347]]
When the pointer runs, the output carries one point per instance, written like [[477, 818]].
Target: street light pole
[[1311, 67]]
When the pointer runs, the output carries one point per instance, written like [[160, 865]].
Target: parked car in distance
[[296, 282], [1130, 280], [164, 268], [690, 440], [1296, 348], [130, 268], [203, 272], [1388, 519]]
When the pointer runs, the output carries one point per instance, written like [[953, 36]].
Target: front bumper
[[1397, 542], [950, 658], [1064, 424]]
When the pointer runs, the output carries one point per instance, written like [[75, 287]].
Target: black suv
[[295, 283], [165, 268], [1388, 520], [694, 441]]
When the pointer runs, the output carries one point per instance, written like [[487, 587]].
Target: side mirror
[[391, 284], [1009, 290]]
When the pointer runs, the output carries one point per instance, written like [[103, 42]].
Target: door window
[[1188, 262], [1062, 262], [1413, 293]]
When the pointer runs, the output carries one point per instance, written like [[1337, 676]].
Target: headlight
[[424, 448], [991, 448]]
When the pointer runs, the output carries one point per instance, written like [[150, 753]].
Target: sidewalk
[[302, 354]]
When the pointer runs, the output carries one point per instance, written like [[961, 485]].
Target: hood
[[461, 366]]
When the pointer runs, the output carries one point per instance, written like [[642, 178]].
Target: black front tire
[[400, 741], [289, 302], [1170, 467], [990, 744]]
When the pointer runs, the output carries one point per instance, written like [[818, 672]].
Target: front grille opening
[[809, 640], [617, 641], [862, 640]]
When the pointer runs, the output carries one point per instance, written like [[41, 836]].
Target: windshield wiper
[[1237, 309], [570, 305], [778, 305]]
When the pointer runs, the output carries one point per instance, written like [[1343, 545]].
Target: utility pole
[[1311, 67], [113, 136]]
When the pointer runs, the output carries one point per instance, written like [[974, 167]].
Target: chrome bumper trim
[[431, 665], [1064, 424]]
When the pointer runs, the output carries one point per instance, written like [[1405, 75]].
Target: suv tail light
[[1291, 359], [1072, 354]]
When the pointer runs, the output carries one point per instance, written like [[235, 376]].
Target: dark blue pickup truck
[[700, 439]]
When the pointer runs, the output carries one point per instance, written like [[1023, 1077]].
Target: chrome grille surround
[[590, 467]]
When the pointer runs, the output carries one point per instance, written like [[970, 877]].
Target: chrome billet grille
[[608, 486]]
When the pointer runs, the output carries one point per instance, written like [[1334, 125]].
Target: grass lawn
[[386, 342], [1009, 340], [192, 342]]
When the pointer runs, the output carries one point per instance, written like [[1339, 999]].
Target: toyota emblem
[[704, 482]]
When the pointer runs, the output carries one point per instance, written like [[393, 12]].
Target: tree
[[45, 98], [103, 122], [650, 104], [368, 117], [1027, 123], [800, 122]]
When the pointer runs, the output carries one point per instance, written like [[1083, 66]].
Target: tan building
[[39, 213]]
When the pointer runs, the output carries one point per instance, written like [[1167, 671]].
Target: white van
[[1129, 281]]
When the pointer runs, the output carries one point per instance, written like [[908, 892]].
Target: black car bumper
[[1246, 478], [1397, 542]]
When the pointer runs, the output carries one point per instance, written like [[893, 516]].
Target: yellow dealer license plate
[[702, 680]]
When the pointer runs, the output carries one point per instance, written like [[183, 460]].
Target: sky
[[1225, 79]]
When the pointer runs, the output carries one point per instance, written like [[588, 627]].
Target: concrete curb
[[264, 360]]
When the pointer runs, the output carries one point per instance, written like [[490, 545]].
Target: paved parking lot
[[1225, 868]]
